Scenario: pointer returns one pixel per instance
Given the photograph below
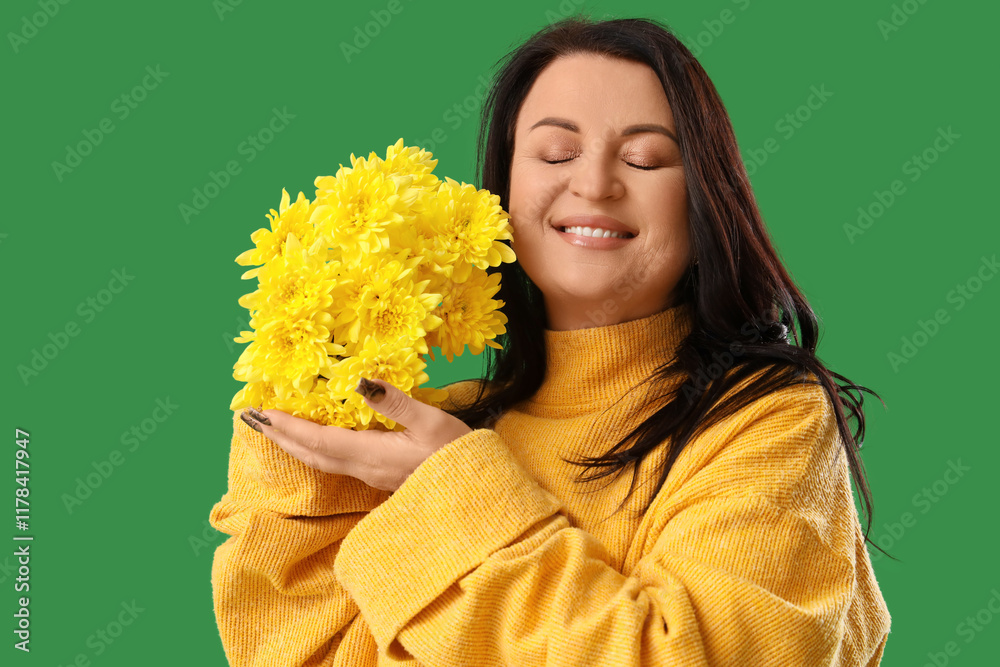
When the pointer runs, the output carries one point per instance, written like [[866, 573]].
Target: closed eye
[[636, 166]]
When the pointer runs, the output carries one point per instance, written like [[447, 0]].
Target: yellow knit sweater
[[491, 554]]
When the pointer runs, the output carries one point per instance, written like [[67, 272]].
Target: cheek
[[520, 225], [671, 200], [672, 192], [520, 195], [532, 191]]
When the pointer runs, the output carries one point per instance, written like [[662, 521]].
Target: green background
[[142, 534]]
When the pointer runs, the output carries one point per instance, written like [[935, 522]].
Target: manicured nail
[[373, 392], [252, 423], [259, 416]]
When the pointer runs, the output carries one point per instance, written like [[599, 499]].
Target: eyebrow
[[631, 129]]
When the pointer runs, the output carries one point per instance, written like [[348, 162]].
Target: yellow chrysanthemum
[[361, 287], [468, 227], [395, 311], [361, 203], [290, 354], [470, 317], [399, 366], [412, 161], [294, 219], [256, 394], [351, 285], [430, 395], [321, 407], [295, 285], [385, 262]]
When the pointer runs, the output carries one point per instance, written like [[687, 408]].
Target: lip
[[602, 221], [599, 221]]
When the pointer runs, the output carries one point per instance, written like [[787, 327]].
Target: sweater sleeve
[[471, 562], [275, 598]]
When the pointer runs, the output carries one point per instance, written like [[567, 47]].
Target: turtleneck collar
[[600, 364]]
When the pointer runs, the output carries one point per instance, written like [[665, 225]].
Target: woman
[[467, 539]]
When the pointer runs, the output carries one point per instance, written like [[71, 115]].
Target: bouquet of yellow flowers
[[386, 261]]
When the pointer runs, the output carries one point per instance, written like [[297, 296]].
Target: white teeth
[[595, 232]]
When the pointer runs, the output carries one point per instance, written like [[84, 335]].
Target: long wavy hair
[[741, 297]]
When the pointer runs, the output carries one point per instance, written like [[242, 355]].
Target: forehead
[[594, 90]]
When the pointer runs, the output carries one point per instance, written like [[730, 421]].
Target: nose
[[593, 177]]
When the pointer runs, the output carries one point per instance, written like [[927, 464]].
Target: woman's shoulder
[[791, 424], [784, 391], [463, 393]]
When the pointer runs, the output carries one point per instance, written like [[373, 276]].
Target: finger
[[311, 457], [327, 448], [387, 400], [286, 428]]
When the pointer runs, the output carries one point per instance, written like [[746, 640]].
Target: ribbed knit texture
[[492, 554]]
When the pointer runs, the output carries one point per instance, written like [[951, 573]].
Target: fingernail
[[370, 390], [259, 416], [251, 422]]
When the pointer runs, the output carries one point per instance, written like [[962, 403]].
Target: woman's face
[[594, 147]]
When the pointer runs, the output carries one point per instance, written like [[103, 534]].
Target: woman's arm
[[276, 600], [471, 562], [275, 597]]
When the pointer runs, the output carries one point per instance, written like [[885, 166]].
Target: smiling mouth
[[595, 232]]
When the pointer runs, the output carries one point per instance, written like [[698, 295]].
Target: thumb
[[390, 402]]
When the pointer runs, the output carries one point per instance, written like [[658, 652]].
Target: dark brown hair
[[740, 295]]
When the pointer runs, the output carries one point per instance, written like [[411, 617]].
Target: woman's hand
[[381, 459]]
